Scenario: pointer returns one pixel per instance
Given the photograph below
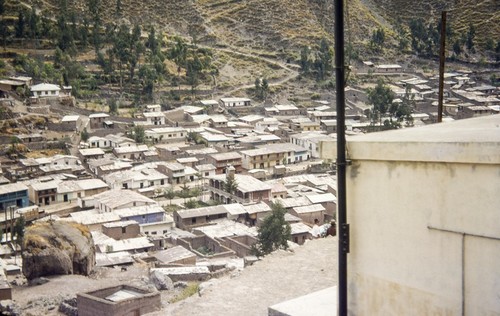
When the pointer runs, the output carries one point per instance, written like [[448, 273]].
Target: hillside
[[228, 43], [280, 25], [484, 14]]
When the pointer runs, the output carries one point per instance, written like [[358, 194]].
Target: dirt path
[[278, 277]]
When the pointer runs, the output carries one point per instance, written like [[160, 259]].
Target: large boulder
[[52, 248], [161, 281]]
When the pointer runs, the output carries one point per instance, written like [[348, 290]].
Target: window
[[206, 174], [193, 220], [124, 230]]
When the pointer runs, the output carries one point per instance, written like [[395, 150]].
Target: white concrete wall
[[425, 235]]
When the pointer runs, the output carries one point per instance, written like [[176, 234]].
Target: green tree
[[305, 59], [21, 24], [185, 192], [84, 135], [18, 230], [378, 39], [457, 48], [230, 184], [274, 232], [113, 106], [381, 97], [323, 61], [169, 194], [139, 134], [471, 35]]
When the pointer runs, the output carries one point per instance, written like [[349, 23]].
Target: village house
[[43, 193], [328, 201], [98, 142], [279, 190], [235, 102], [216, 139], [31, 138], [222, 160], [251, 119], [209, 103], [154, 118], [206, 170], [218, 121], [256, 213], [282, 110], [269, 156], [97, 120], [71, 123], [188, 161], [108, 245], [91, 153], [256, 139], [318, 116], [168, 152], [166, 134], [117, 199], [304, 124], [7, 85], [44, 90], [101, 167], [391, 68], [121, 230], [135, 152], [119, 140], [136, 179], [267, 123], [187, 219], [300, 232], [152, 108], [71, 190], [311, 214], [248, 189], [175, 171], [177, 255], [311, 141], [13, 194]]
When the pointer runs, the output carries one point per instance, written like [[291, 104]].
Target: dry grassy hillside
[[483, 14]]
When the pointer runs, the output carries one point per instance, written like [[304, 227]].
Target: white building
[[166, 134], [232, 102], [311, 141], [423, 208], [44, 90], [154, 118]]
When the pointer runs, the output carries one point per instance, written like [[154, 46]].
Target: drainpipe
[[343, 247]]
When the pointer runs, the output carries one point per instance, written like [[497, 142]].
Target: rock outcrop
[[53, 248]]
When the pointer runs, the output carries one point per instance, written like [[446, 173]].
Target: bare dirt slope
[[278, 277]]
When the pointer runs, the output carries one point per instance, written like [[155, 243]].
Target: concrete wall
[[424, 233]]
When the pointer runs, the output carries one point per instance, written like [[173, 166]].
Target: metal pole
[[343, 248], [441, 66]]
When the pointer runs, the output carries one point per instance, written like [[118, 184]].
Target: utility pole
[[441, 66], [343, 247]]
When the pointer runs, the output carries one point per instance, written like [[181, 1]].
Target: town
[[185, 190]]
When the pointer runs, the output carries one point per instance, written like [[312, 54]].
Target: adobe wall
[[241, 245]]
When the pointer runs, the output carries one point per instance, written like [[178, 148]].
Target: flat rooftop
[[443, 142]]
